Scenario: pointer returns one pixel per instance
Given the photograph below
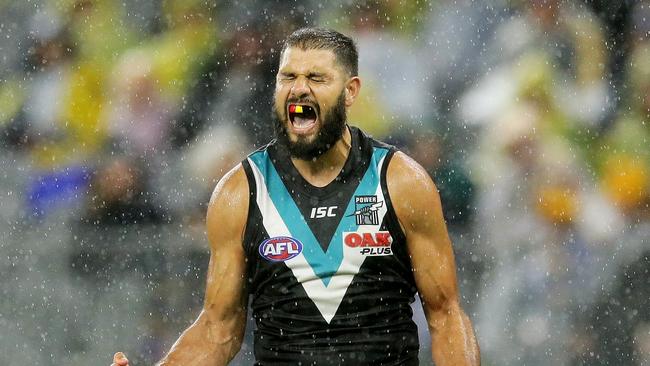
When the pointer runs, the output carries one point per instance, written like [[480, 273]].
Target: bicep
[[225, 294], [419, 211]]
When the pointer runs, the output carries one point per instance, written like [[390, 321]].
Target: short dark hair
[[343, 46]]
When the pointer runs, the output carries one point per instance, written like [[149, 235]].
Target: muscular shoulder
[[413, 193], [228, 208]]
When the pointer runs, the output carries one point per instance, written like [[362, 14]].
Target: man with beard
[[330, 232]]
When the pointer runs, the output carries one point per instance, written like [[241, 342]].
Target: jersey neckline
[[288, 172]]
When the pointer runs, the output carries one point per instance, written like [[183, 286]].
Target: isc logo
[[320, 212], [369, 243], [280, 248]]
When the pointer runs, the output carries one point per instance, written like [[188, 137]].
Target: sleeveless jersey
[[328, 271]]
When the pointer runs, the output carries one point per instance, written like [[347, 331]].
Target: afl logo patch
[[280, 248]]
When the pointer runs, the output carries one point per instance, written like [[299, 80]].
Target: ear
[[352, 90]]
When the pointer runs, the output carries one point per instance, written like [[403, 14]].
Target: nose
[[300, 87]]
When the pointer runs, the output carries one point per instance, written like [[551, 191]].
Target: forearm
[[207, 342], [453, 340]]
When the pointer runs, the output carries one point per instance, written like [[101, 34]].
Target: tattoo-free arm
[[417, 205]]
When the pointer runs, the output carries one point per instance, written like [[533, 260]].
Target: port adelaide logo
[[280, 248], [365, 210]]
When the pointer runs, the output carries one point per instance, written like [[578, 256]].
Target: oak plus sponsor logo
[[369, 243], [365, 210], [280, 248]]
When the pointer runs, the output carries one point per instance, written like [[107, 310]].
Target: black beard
[[331, 131]]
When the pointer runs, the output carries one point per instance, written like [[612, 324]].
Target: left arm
[[417, 205]]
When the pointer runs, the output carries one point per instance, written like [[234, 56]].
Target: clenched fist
[[119, 359]]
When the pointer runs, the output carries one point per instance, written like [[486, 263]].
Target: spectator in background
[[98, 29], [191, 39], [235, 85], [42, 125], [385, 38], [49, 67], [100, 35], [456, 50], [615, 327], [570, 41], [39, 119], [454, 185], [624, 154], [206, 160], [530, 184], [65, 99], [119, 195], [139, 116]]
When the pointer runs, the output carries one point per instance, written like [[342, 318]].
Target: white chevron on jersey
[[326, 298]]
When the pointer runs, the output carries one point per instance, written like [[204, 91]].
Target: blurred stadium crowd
[[118, 118]]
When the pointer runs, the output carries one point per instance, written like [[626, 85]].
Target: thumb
[[120, 359]]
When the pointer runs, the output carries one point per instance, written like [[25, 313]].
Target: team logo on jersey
[[365, 210], [369, 243], [280, 248]]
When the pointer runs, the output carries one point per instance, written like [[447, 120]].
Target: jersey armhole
[[393, 222], [252, 199]]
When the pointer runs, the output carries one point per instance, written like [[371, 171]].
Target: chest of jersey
[[323, 240], [328, 267]]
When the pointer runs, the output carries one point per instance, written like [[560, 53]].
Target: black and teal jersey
[[329, 273]]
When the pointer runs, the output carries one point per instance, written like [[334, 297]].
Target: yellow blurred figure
[[81, 125], [557, 203], [12, 96], [176, 55], [84, 107], [625, 180], [97, 28], [192, 38], [369, 115], [537, 77], [99, 35]]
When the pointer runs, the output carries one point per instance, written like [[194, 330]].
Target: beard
[[332, 127]]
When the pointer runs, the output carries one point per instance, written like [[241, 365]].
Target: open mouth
[[302, 116]]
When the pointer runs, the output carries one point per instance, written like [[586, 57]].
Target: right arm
[[216, 335]]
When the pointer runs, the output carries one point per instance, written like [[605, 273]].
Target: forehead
[[298, 60]]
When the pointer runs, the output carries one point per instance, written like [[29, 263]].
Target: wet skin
[[313, 77]]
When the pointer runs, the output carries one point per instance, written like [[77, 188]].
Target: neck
[[324, 169]]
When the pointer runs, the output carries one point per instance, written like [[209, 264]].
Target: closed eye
[[319, 78], [287, 76]]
